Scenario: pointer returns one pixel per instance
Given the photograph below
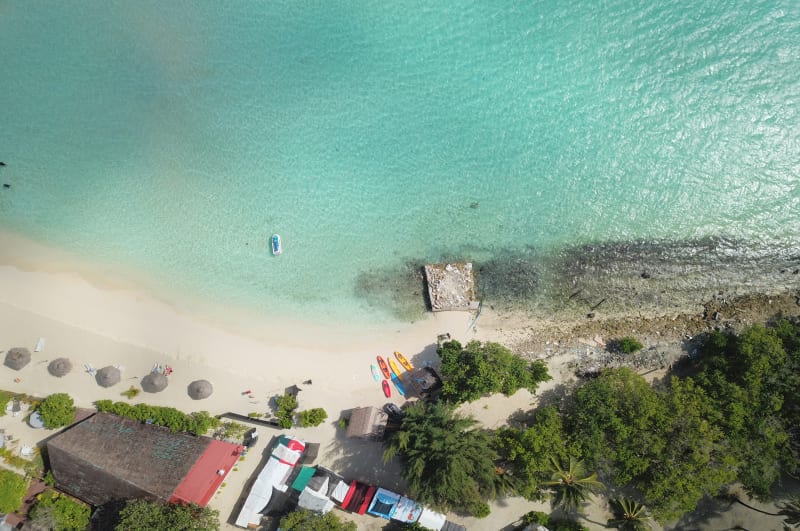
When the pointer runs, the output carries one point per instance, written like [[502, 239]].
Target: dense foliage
[[302, 520], [198, 422], [142, 514], [481, 369], [5, 398], [58, 511], [312, 417], [287, 404], [13, 488], [57, 410], [552, 523], [733, 417], [447, 461]]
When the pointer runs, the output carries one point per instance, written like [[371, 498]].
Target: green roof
[[305, 475]]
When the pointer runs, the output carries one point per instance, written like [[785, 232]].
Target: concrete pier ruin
[[451, 287]]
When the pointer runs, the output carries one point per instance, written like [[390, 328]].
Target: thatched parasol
[[108, 376], [17, 358], [59, 367], [155, 382], [200, 389]]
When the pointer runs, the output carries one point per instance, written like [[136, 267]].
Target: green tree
[[447, 462], [525, 453], [302, 520], [628, 515], [312, 417], [145, 515], [58, 511], [571, 485], [616, 420], [57, 410], [480, 369], [12, 490], [752, 381]]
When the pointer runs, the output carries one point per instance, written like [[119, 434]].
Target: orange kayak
[[403, 361], [384, 368], [395, 369]]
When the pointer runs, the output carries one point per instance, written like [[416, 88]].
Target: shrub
[[142, 514], [313, 417], [629, 345], [255, 415], [198, 422], [57, 410], [58, 511], [287, 404], [5, 398], [13, 488]]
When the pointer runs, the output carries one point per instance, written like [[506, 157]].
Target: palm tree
[[791, 513], [447, 461], [571, 486], [628, 515]]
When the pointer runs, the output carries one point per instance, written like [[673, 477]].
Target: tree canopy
[[57, 410], [302, 520], [480, 369], [142, 514], [447, 461]]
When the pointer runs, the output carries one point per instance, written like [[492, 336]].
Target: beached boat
[[277, 248], [384, 367], [386, 389], [395, 368], [403, 361], [398, 385], [376, 374]]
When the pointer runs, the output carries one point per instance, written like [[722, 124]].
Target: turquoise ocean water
[[175, 137]]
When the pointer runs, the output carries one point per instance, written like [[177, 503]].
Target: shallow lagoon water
[[174, 139]]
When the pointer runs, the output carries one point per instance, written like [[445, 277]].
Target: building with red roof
[[107, 457]]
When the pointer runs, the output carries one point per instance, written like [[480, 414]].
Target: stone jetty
[[451, 286]]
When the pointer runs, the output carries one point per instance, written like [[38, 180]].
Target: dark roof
[[367, 422], [422, 382], [106, 457]]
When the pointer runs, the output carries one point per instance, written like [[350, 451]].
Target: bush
[[629, 345], [553, 524], [5, 398], [58, 511], [13, 488], [313, 417], [57, 410], [142, 514], [287, 404], [198, 422], [303, 520]]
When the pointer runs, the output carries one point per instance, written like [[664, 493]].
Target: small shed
[[422, 382], [367, 423]]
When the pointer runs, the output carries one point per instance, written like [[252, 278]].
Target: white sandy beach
[[97, 319]]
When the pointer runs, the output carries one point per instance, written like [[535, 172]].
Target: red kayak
[[386, 389], [384, 368]]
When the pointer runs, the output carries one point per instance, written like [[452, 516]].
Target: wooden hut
[[367, 423]]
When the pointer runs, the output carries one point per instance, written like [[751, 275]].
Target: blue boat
[[276, 244], [398, 385]]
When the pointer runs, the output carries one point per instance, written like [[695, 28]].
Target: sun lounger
[[39, 345]]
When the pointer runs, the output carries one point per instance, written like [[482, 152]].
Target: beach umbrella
[[155, 382], [35, 421], [108, 376], [200, 389], [17, 358], [59, 367]]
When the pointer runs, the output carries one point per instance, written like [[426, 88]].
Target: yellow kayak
[[403, 361], [395, 368]]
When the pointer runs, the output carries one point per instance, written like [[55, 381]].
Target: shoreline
[[102, 322]]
